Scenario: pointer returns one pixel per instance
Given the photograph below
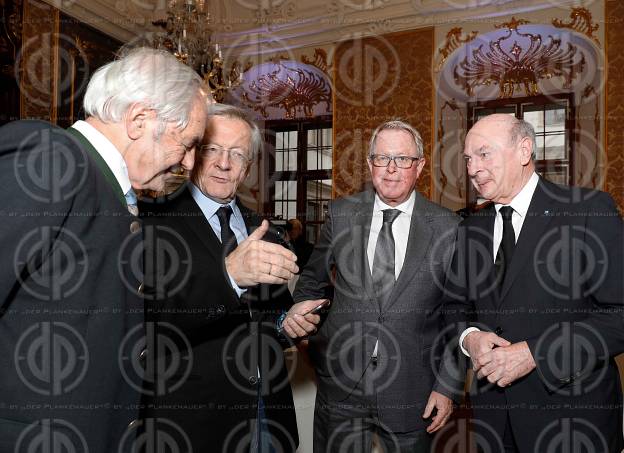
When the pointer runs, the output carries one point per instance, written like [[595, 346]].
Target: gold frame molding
[[581, 22]]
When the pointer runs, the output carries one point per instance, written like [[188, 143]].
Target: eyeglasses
[[236, 155], [381, 160]]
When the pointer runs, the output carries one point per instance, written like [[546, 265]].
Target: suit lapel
[[481, 244], [539, 215], [360, 231], [418, 241], [196, 221]]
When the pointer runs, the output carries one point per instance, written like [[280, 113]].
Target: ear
[[136, 120], [419, 166], [526, 150]]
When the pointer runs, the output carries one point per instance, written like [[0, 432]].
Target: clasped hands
[[256, 261], [498, 360]]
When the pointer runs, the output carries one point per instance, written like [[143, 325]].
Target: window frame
[[301, 175]]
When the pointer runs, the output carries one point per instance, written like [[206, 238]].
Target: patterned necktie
[[228, 238], [383, 263], [131, 200], [507, 245]]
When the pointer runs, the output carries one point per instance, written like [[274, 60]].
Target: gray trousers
[[349, 426]]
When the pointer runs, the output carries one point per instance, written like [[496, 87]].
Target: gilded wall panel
[[37, 61], [376, 79], [614, 183]]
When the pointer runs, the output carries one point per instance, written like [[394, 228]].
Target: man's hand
[[478, 343], [444, 408], [255, 261], [504, 365], [299, 322]]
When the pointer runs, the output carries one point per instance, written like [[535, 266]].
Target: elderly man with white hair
[[71, 322]]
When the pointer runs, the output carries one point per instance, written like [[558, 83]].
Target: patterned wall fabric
[[377, 79], [615, 101]]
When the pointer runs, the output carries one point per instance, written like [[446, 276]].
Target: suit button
[[381, 319], [253, 380], [140, 289], [133, 424], [498, 331], [135, 226], [143, 357], [220, 308]]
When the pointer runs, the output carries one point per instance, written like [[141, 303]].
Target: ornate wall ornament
[[519, 60], [319, 60], [513, 24], [291, 87], [454, 39], [581, 22], [443, 178]]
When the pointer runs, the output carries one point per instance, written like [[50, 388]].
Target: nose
[[188, 160], [472, 167], [391, 168], [223, 160]]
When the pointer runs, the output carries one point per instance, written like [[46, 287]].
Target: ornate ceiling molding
[[454, 39], [581, 22], [509, 65], [290, 86]]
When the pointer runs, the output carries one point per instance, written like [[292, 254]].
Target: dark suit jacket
[[70, 313], [409, 326], [563, 294], [206, 350]]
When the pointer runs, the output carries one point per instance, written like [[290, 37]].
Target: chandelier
[[189, 36]]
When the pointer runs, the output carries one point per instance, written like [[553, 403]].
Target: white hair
[[143, 75], [397, 125]]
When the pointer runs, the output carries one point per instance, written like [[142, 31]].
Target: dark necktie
[[228, 238], [383, 263], [507, 245]]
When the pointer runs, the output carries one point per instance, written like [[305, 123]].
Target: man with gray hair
[[70, 271], [541, 268], [376, 349], [226, 297]]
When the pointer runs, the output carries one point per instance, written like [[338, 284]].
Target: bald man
[[542, 269]]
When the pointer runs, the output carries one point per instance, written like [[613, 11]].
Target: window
[[553, 119], [302, 170]]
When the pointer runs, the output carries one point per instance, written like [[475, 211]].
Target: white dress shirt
[[111, 155], [520, 205], [400, 231]]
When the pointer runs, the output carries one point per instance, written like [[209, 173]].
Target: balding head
[[498, 153]]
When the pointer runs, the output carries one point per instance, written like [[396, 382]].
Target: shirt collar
[[520, 203], [406, 207], [209, 207], [108, 152]]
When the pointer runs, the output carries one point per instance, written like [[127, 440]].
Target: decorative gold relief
[[453, 40], [512, 67], [291, 88], [443, 179], [319, 60], [513, 24], [581, 22]]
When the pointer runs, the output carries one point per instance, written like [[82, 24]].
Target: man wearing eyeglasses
[[216, 290], [377, 348]]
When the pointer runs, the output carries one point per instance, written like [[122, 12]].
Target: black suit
[[70, 313], [563, 294], [212, 394]]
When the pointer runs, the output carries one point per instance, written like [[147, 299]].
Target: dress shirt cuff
[[235, 287], [463, 335]]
